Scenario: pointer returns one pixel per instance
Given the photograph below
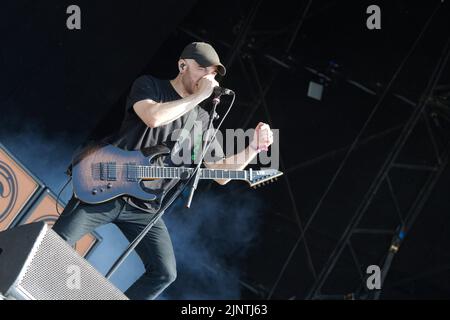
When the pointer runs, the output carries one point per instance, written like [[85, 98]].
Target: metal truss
[[241, 54], [384, 179]]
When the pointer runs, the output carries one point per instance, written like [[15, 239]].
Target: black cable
[[217, 129], [59, 194]]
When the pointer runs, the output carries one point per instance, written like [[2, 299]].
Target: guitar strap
[[185, 131]]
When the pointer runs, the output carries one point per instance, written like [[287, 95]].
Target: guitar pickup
[[112, 171], [132, 174], [108, 171]]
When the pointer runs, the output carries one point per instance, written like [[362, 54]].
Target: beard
[[189, 85]]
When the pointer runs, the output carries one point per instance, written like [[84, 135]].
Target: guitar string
[[172, 172]]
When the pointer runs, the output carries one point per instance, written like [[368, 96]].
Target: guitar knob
[[101, 190], [109, 185], [94, 191]]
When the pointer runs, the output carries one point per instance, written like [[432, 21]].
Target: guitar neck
[[148, 172]]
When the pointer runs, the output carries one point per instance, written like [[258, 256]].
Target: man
[[155, 108]]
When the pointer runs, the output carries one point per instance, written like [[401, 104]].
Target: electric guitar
[[101, 173]]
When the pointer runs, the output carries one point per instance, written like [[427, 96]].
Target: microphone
[[218, 91]]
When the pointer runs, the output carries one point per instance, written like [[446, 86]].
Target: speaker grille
[[48, 276]]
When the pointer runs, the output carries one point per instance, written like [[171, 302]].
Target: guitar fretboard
[[148, 172]]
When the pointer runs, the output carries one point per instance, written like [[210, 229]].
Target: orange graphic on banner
[[16, 189]]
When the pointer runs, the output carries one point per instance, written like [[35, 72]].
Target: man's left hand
[[262, 138]]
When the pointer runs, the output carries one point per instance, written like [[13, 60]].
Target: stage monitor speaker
[[37, 264], [44, 209]]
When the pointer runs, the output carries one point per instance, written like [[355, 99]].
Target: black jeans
[[155, 249]]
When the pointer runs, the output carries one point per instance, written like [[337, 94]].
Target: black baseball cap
[[204, 54]]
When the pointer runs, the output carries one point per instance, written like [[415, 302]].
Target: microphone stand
[[132, 245], [175, 195], [212, 116]]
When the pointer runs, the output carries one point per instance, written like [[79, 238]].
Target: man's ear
[[181, 65]]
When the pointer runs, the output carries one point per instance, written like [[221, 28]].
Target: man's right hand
[[206, 85]]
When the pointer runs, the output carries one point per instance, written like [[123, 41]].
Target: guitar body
[[102, 173]]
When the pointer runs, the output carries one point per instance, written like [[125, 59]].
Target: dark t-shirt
[[134, 134]]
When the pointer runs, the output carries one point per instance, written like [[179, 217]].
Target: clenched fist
[[262, 138]]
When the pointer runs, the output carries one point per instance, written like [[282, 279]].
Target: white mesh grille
[[47, 275]]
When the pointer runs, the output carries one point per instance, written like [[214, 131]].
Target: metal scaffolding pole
[[239, 51], [383, 174]]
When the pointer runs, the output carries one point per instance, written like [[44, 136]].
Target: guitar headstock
[[257, 178]]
